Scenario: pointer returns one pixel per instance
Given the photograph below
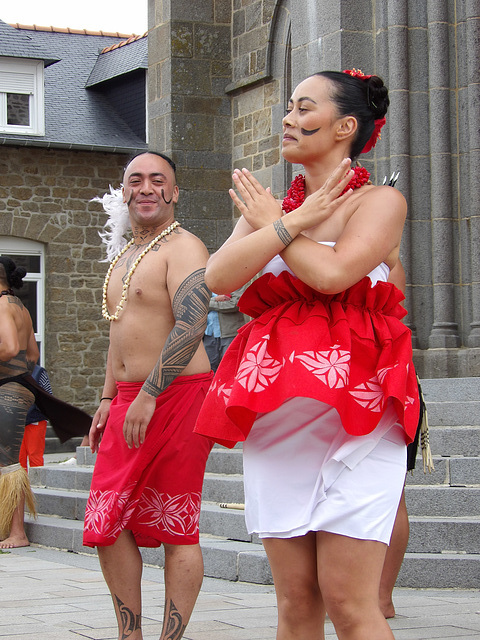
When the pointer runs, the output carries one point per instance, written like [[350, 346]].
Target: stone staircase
[[444, 507]]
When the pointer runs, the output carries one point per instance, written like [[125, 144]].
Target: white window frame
[[25, 77], [21, 247]]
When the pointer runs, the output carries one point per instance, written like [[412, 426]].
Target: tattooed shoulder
[[15, 300]]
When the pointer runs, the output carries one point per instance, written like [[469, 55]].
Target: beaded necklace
[[296, 193], [126, 284], [7, 292]]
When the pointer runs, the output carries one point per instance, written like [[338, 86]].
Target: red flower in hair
[[375, 136], [356, 73]]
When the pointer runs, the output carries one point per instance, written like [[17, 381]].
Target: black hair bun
[[16, 277], [378, 99]]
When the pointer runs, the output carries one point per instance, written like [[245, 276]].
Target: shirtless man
[[18, 355], [146, 488]]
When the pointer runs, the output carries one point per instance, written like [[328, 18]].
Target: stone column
[[444, 331], [473, 92]]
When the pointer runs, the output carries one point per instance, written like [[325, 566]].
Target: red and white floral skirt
[[155, 490]]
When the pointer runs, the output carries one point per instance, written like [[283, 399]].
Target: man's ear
[[123, 194], [176, 193], [346, 127]]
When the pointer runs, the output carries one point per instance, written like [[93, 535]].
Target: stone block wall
[[190, 114], [45, 196]]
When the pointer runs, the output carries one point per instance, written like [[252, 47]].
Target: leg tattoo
[[173, 626], [130, 621]]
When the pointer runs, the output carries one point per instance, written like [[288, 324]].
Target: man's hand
[[138, 418], [98, 425]]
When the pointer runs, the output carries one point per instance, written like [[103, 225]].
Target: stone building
[[72, 110], [220, 74]]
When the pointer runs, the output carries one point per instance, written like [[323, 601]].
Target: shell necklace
[[126, 284]]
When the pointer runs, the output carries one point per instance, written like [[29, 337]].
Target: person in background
[[33, 443], [224, 320], [18, 355]]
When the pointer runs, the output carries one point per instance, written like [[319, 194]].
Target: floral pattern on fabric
[[108, 512], [331, 367], [179, 515], [350, 350], [258, 370]]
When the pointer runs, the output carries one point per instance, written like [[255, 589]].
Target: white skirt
[[303, 472]]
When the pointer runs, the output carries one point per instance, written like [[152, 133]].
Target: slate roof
[[75, 116], [119, 59], [15, 44]]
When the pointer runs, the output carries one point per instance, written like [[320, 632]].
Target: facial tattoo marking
[[164, 199], [307, 132]]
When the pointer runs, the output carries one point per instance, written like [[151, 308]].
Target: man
[[147, 482]]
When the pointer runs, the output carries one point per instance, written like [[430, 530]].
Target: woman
[[18, 355], [321, 381]]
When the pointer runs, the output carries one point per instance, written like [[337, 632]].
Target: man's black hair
[[154, 153]]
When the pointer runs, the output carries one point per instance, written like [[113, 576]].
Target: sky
[[124, 16]]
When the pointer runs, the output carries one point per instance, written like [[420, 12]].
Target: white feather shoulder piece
[[117, 224]]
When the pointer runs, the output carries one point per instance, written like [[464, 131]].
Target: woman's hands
[[321, 204], [259, 207]]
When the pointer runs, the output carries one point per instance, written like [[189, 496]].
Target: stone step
[[444, 535], [451, 389], [53, 445], [440, 571], [247, 562], [454, 471], [438, 501], [55, 476], [432, 534], [226, 461], [455, 441]]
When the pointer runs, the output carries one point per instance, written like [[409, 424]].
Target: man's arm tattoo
[[173, 626], [130, 621], [190, 309], [282, 233]]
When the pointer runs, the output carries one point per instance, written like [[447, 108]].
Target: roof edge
[[85, 32]]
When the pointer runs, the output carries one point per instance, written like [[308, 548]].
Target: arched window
[[30, 255]]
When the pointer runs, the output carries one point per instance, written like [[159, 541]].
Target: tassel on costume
[[424, 439], [14, 484]]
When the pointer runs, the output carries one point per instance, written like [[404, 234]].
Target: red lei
[[296, 194]]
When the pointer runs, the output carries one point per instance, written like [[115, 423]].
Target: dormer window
[[22, 96]]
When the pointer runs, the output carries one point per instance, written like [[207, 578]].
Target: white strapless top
[[277, 265]]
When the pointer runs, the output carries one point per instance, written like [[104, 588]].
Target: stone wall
[[45, 196], [428, 55], [189, 50]]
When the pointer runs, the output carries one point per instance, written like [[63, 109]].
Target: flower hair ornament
[[117, 224], [375, 137]]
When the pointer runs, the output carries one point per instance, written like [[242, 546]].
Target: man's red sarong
[[155, 490]]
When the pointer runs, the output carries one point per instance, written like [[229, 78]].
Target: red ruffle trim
[[350, 350]]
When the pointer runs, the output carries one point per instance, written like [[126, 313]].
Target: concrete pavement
[[57, 595]]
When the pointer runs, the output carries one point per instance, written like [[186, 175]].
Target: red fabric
[[350, 350], [33, 444], [155, 490]]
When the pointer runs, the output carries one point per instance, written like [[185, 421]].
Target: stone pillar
[[472, 51], [189, 112], [444, 331]]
